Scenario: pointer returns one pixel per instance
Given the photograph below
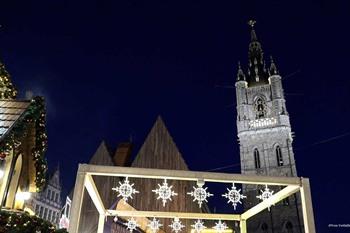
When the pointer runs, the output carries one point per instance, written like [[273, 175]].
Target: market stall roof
[[10, 112]]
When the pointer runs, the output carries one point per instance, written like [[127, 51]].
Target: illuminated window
[[279, 156], [260, 108], [256, 158]]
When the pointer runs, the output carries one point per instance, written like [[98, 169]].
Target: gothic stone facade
[[47, 204], [265, 138]]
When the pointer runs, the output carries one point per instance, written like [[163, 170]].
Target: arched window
[[289, 227], [260, 108], [264, 228], [279, 156], [256, 158]]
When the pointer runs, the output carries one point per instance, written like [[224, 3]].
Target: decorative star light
[[220, 226], [115, 219], [176, 225], [131, 224], [154, 225], [266, 194], [198, 226], [164, 192], [200, 194], [125, 190], [233, 195]]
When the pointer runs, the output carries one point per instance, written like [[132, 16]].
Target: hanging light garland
[[154, 225], [125, 189], [198, 226], [234, 196], [176, 225], [164, 192], [200, 194], [36, 114]]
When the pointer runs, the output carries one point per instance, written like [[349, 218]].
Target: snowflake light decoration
[[125, 190], [233, 195], [198, 226], [265, 194], [154, 225], [176, 225], [164, 192], [131, 224], [200, 194], [220, 226]]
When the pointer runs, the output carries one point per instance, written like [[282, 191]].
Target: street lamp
[[23, 196]]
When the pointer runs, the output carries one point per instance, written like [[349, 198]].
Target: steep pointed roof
[[257, 72], [55, 178], [159, 150], [102, 156]]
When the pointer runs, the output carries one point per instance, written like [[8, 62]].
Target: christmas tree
[[7, 90]]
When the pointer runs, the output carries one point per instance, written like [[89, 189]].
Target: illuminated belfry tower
[[265, 138]]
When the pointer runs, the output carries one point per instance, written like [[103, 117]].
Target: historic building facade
[[47, 204], [265, 138]]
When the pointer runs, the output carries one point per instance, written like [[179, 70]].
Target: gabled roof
[[159, 150], [10, 112], [102, 156]]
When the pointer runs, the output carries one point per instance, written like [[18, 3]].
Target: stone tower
[[265, 138]]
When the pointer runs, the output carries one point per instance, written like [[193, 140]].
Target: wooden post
[[306, 201], [243, 226], [101, 223], [77, 202]]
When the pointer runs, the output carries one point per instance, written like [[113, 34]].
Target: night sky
[[108, 68]]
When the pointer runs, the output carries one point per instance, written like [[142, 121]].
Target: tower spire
[[273, 69], [257, 74], [253, 37], [240, 74]]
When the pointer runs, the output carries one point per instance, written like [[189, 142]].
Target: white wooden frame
[[86, 171]]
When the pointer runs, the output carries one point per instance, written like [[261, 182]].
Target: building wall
[[263, 128], [47, 204]]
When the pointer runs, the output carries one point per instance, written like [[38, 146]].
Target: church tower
[[265, 138]]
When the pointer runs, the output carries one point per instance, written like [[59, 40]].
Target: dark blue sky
[[108, 68]]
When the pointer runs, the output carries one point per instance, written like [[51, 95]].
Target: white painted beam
[[306, 202], [101, 223], [279, 196], [187, 175], [93, 192], [243, 226], [183, 215], [77, 203]]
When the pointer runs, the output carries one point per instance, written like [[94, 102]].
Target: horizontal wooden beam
[[186, 175], [159, 214], [279, 196]]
